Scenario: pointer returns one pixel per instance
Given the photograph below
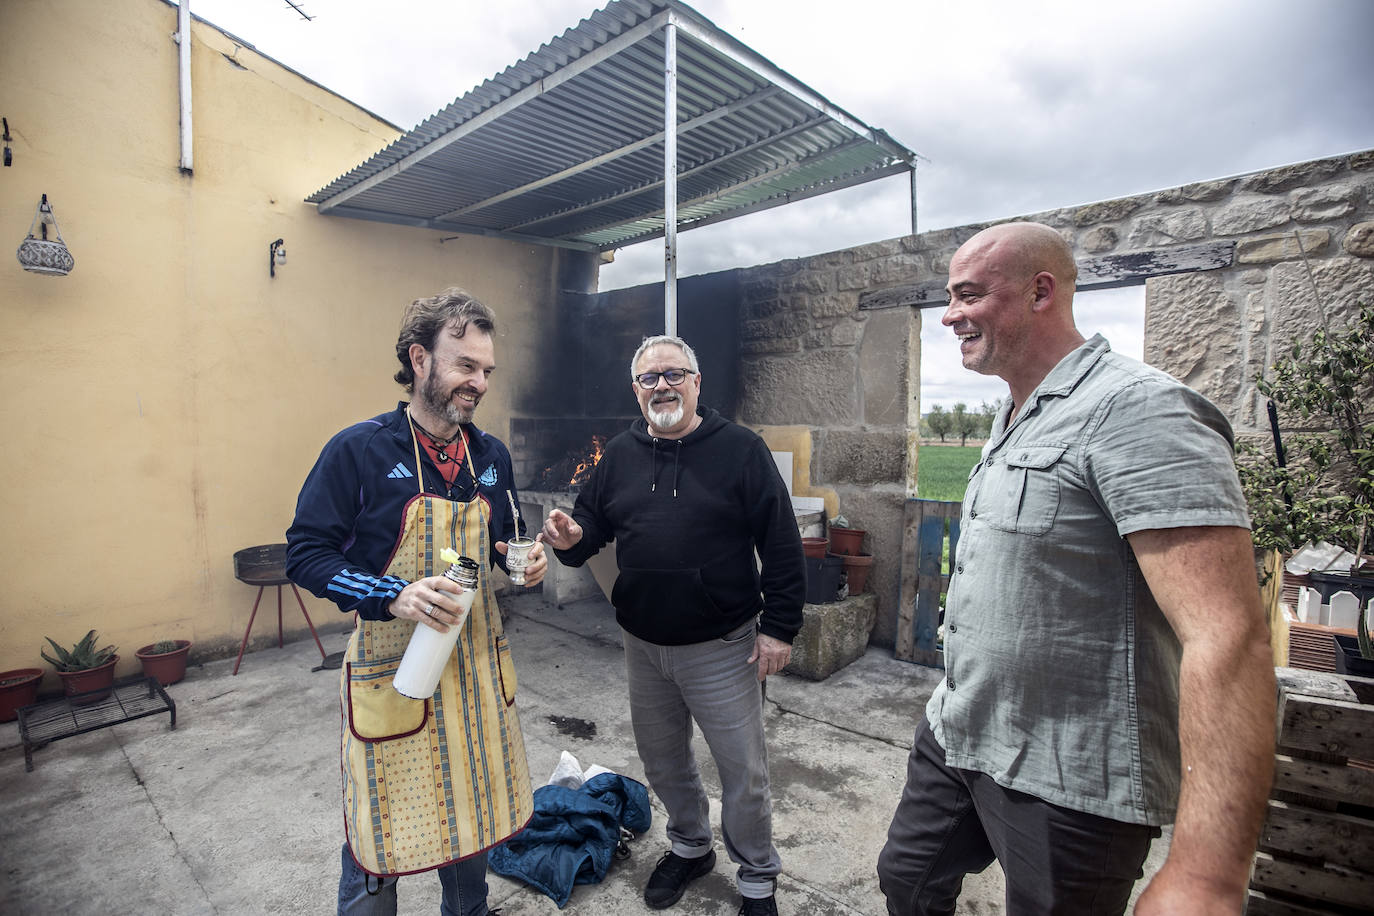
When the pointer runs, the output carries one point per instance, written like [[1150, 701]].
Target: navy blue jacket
[[573, 834], [350, 510]]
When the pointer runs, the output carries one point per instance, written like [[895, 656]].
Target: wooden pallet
[[1316, 852]]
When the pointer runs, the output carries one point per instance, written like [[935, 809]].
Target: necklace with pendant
[[440, 445]]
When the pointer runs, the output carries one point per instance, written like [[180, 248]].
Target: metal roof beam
[[781, 200], [614, 154], [535, 89], [654, 185], [761, 178], [422, 223]]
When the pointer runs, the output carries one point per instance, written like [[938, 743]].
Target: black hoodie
[[687, 515]]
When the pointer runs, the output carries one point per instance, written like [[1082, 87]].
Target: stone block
[[1315, 205], [862, 457], [1176, 306], [1170, 227], [1199, 192], [1359, 240], [900, 268], [818, 390], [1099, 240], [809, 282], [1294, 307], [1250, 216], [770, 345], [1292, 176], [1106, 211], [832, 636], [1268, 249], [883, 249], [832, 305], [884, 366], [846, 333], [857, 276]]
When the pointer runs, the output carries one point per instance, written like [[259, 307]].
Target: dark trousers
[[950, 823]]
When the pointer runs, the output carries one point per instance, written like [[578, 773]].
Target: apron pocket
[[506, 667], [376, 712]]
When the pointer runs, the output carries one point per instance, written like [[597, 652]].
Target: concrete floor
[[237, 810]]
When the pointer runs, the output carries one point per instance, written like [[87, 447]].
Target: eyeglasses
[[674, 377]]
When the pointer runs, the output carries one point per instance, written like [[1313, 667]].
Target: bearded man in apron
[[428, 784]]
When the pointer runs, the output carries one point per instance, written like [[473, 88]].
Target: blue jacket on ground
[[573, 835]]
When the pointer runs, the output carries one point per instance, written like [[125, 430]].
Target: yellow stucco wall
[[162, 404]]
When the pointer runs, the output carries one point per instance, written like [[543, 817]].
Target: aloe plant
[[81, 657]]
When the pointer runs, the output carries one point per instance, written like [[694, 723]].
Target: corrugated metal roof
[[566, 146]]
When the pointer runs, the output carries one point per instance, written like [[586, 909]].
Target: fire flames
[[575, 468], [583, 472]]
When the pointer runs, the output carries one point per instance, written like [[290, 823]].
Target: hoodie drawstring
[[653, 465], [677, 453]]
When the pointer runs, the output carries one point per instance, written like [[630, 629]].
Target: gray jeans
[[713, 684]]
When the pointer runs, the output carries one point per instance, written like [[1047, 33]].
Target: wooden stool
[[264, 566]]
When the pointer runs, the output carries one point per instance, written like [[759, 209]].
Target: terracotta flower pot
[[18, 688], [814, 547], [846, 541], [93, 684], [856, 571], [167, 667]]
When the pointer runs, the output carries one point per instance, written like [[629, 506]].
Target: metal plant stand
[[52, 720]]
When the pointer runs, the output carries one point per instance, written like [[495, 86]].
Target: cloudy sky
[[1018, 105]]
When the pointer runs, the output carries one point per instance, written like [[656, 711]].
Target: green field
[[942, 470]]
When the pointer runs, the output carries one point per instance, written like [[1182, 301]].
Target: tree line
[[960, 421]]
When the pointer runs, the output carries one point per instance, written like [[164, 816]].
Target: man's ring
[[430, 610]]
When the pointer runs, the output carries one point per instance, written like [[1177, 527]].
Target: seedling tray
[[52, 720]]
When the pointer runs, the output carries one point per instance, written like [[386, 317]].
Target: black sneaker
[[671, 875], [760, 906]]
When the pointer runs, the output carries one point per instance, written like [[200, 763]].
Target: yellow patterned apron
[[428, 782]]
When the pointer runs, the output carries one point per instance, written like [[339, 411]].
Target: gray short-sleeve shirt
[[1061, 670]]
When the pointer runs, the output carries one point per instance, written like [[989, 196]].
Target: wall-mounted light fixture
[[41, 256], [276, 254]]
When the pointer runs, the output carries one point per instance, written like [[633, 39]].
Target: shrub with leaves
[[1325, 392], [81, 657]]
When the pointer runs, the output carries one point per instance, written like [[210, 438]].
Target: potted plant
[[1355, 654], [845, 541], [165, 660], [86, 672], [1318, 483], [18, 688]]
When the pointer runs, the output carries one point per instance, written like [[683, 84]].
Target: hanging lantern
[[40, 255]]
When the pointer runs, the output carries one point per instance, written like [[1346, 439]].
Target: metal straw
[[516, 509]]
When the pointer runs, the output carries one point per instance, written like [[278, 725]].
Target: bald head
[[1022, 250], [1011, 303]]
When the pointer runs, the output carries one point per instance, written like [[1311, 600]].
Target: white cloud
[[1019, 107]]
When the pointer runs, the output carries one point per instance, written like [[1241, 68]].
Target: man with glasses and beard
[[429, 784], [688, 497]]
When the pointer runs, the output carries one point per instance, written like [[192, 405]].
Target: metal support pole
[[913, 199], [670, 178]]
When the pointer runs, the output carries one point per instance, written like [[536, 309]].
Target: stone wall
[[1303, 234]]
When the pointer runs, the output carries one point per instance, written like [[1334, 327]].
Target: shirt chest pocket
[[1020, 492]]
